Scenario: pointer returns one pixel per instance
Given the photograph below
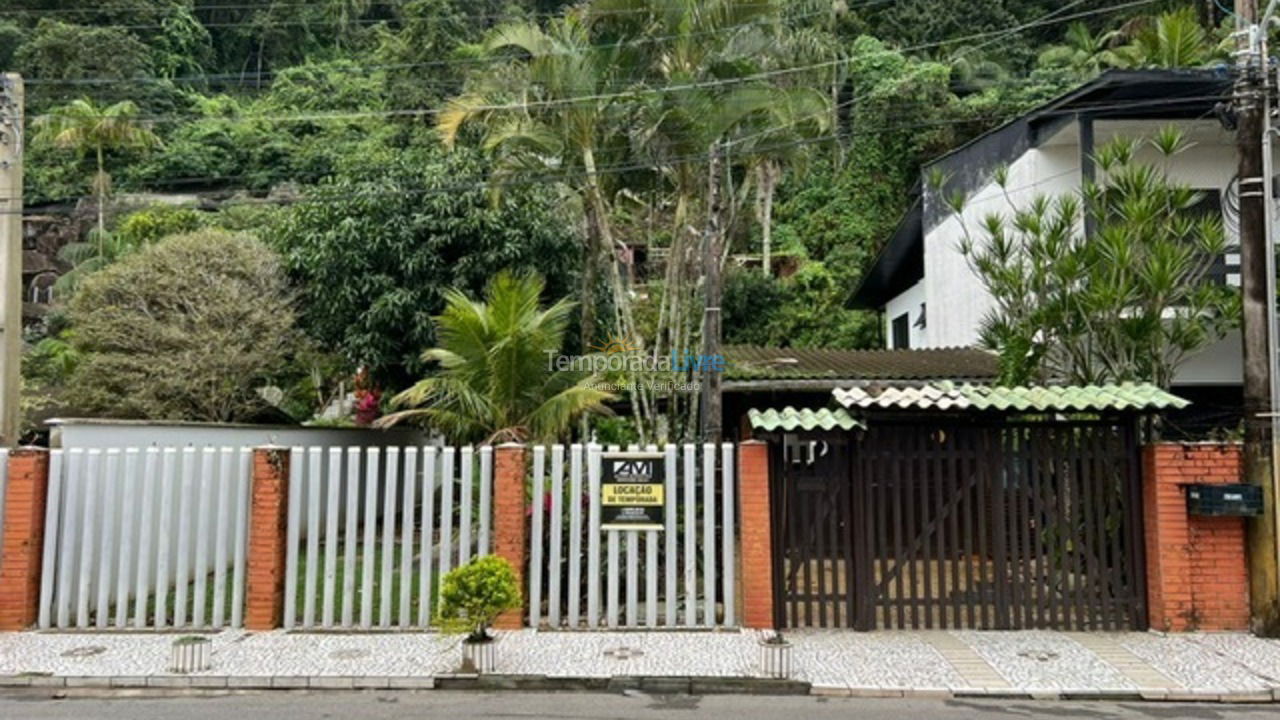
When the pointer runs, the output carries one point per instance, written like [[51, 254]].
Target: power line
[[614, 169], [462, 62]]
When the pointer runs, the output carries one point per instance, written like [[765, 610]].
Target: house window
[[901, 332]]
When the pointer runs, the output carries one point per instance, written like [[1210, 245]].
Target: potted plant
[[775, 656], [190, 654], [471, 598]]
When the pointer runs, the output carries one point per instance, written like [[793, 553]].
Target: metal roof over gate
[[944, 396]]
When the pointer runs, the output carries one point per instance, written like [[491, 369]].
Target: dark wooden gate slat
[[899, 543], [963, 468], [1136, 554], [926, 471]]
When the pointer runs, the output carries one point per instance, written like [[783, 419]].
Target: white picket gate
[[145, 538], [399, 519], [692, 557]]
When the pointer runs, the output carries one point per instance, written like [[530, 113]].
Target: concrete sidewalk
[[1037, 664]]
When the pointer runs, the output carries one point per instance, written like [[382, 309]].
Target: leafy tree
[[374, 249], [86, 127], [497, 382], [1127, 301], [136, 230], [1082, 51], [186, 329]]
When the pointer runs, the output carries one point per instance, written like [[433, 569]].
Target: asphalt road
[[371, 705]]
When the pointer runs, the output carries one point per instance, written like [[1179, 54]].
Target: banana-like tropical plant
[[86, 127], [495, 382]]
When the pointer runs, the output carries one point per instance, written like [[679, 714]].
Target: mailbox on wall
[[1224, 500]]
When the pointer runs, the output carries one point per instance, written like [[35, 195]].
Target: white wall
[[100, 433], [956, 302], [907, 302]]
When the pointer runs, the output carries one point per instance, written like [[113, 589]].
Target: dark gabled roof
[[899, 264], [750, 367], [1115, 94]]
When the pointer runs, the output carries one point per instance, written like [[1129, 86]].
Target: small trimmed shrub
[[474, 595]]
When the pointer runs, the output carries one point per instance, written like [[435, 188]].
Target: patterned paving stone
[[1196, 663], [871, 660], [1034, 661]]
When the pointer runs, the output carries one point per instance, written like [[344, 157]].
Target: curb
[[1152, 695], [658, 685]]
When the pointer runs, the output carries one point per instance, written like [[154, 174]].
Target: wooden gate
[[952, 524]]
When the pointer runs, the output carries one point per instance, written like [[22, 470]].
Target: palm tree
[[1170, 40], [1084, 53], [548, 111], [84, 126], [495, 382]]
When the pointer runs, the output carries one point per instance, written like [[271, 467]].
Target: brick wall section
[[756, 534], [1197, 572], [268, 523], [510, 521], [23, 542]]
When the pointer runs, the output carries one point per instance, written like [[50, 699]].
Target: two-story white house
[[921, 282]]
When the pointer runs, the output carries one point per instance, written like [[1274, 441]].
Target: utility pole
[[11, 142], [1250, 105], [712, 289]]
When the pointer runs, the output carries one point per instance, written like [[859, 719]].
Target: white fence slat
[[557, 534], [52, 519], [486, 496], [183, 575], [353, 526], [690, 480], [593, 535], [611, 580], [203, 512], [446, 512], [225, 523], [406, 535], [331, 537], [107, 496], [670, 557], [370, 527], [709, 533], [311, 577], [88, 535], [73, 488], [146, 532], [651, 569], [728, 535], [244, 469], [464, 511], [169, 492], [633, 577], [574, 590], [427, 540], [291, 538], [538, 506], [128, 529], [389, 494]]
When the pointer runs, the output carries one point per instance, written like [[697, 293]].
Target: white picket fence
[[371, 531], [693, 556], [148, 538]]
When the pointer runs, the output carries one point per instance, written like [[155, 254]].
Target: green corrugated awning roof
[[1040, 398], [790, 419]]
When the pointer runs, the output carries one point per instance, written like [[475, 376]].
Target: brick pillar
[[1197, 574], [268, 524], [510, 522], [756, 534], [23, 542]]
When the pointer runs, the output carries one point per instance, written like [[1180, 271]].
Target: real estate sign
[[632, 491]]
